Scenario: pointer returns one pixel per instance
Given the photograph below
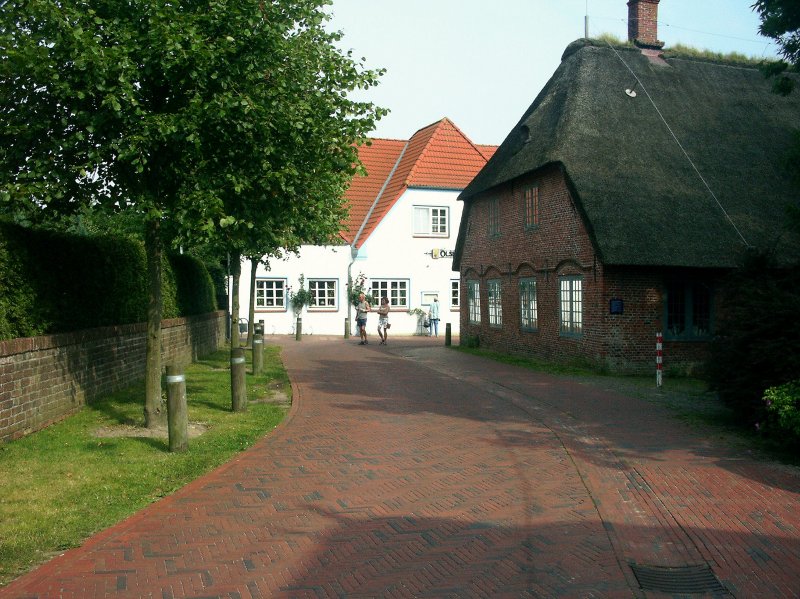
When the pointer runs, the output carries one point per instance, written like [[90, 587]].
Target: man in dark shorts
[[362, 307]]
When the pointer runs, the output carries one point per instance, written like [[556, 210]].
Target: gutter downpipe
[[354, 248], [353, 254]]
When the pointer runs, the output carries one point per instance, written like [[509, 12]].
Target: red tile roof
[[438, 156]]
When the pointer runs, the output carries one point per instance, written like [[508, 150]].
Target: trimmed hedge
[[194, 288], [53, 282]]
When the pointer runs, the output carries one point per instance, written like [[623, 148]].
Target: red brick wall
[[43, 379], [643, 21], [631, 336], [560, 246]]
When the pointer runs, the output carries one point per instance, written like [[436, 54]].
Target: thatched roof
[[643, 201]]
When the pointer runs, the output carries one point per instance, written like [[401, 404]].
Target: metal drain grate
[[679, 580]]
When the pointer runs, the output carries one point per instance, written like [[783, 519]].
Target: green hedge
[[54, 282], [195, 292]]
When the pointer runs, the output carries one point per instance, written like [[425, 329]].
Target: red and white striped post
[[659, 357]]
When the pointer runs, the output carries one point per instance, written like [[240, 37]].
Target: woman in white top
[[383, 320]]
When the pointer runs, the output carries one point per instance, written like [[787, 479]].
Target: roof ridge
[[386, 139], [439, 126], [434, 128], [477, 147]]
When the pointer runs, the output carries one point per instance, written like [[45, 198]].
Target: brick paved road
[[416, 471]]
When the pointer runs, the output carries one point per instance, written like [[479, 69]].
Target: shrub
[[193, 286], [758, 336], [19, 310], [782, 404], [54, 282]]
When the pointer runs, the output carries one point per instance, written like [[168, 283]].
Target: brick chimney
[[643, 23]]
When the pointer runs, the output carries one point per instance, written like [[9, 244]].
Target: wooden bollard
[[448, 339], [177, 413], [238, 381], [298, 334], [258, 354]]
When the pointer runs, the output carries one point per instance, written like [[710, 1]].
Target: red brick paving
[[416, 471]]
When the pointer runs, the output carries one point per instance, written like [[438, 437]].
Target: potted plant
[[358, 288], [301, 297]]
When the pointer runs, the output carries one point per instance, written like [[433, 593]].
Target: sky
[[481, 63]]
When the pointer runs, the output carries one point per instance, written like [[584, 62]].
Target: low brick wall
[[43, 379]]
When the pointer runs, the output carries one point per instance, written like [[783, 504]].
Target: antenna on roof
[[632, 91], [586, 22]]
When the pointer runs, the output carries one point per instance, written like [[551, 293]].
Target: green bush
[[757, 345], [19, 311], [194, 287], [84, 282], [53, 282], [782, 405], [169, 290], [218, 275]]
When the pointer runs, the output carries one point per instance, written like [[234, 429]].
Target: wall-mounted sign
[[615, 306], [437, 253]]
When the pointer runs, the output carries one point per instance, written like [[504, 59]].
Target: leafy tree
[[208, 118], [780, 20]]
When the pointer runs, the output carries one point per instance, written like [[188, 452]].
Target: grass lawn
[[62, 484]]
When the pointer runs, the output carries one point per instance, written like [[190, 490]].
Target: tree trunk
[[154, 411], [252, 311]]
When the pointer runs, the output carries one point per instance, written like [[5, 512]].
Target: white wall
[[391, 252]]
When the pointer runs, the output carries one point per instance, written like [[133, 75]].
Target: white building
[[400, 237]]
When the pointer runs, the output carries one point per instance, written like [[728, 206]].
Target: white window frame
[[571, 306], [395, 289], [330, 294], [494, 293], [426, 297], [267, 296], [528, 304], [431, 221], [474, 301], [455, 294]]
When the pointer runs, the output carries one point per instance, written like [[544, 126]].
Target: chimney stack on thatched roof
[[643, 23]]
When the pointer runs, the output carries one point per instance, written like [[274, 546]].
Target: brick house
[[623, 195]]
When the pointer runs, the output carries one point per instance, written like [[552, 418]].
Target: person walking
[[383, 320], [362, 307], [433, 318]]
